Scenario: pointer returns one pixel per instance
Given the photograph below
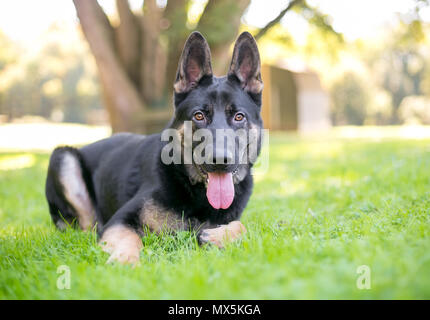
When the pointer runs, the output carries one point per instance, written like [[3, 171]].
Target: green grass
[[325, 207]]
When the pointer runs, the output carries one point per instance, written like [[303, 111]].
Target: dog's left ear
[[245, 64], [195, 63]]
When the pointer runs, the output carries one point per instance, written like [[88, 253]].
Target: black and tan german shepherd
[[122, 185]]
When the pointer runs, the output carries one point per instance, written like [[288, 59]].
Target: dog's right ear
[[195, 62], [245, 64]]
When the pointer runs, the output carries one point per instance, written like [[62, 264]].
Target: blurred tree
[[350, 100], [383, 71], [137, 59], [54, 81], [401, 65]]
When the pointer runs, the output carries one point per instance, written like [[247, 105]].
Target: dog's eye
[[239, 117], [199, 116]]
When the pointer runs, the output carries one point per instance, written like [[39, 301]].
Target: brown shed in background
[[294, 101]]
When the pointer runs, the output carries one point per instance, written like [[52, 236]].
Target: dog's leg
[[159, 220], [120, 237], [219, 236], [122, 243]]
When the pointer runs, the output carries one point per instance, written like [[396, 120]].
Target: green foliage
[[317, 19], [324, 208], [383, 73]]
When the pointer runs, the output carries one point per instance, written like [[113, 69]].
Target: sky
[[25, 20]]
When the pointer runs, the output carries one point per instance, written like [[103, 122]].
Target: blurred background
[[109, 65]]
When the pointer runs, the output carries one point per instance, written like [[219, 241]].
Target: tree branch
[[95, 25], [272, 23]]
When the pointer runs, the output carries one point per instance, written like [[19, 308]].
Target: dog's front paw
[[223, 234], [122, 244], [124, 256], [214, 236]]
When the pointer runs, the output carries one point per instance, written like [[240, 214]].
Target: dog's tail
[[69, 190]]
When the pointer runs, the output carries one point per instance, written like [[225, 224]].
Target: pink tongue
[[220, 190]]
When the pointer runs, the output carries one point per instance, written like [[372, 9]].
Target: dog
[[122, 186]]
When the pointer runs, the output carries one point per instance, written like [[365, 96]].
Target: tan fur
[[180, 85], [193, 172], [159, 220], [76, 192], [180, 131], [223, 234], [122, 243]]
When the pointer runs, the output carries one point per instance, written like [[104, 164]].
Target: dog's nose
[[222, 156], [222, 160]]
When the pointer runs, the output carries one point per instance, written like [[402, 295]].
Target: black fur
[[125, 171]]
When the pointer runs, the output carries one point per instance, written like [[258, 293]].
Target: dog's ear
[[245, 64], [195, 62]]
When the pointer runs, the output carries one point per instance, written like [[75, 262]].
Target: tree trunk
[[120, 95], [176, 32], [153, 58], [128, 41]]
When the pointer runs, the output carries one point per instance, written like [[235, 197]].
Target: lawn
[[325, 207]]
